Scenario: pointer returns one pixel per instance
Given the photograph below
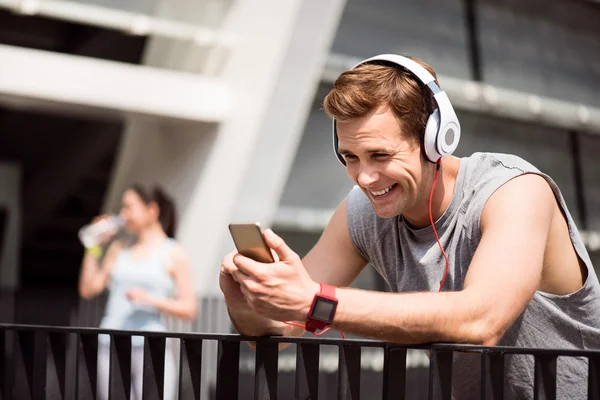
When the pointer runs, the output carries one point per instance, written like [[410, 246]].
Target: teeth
[[382, 192]]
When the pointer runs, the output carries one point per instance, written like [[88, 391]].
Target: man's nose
[[367, 175]]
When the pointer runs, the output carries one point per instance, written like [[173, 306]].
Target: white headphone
[[442, 131]]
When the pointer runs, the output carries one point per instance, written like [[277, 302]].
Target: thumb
[[279, 246]]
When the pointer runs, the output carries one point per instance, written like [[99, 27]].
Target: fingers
[[252, 291], [240, 267], [275, 256], [227, 265], [248, 266], [279, 246], [100, 218]]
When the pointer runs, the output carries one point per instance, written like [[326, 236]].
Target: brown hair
[[361, 90], [166, 205]]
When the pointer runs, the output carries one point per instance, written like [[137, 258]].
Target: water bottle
[[91, 235]]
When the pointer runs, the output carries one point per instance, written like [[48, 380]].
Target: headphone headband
[[442, 131], [411, 66]]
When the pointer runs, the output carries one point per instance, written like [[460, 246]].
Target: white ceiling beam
[[126, 21], [43, 79]]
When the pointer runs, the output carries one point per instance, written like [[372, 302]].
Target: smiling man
[[478, 250]]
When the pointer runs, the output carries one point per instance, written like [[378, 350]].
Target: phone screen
[[249, 241]]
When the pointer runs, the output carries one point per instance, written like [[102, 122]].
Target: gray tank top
[[149, 274], [410, 260]]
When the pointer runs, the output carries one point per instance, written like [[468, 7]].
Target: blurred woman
[[147, 279]]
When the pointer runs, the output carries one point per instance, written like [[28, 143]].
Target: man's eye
[[350, 157]]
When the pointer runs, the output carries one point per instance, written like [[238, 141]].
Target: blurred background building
[[220, 101]]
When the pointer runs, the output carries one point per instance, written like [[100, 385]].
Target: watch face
[[324, 309]]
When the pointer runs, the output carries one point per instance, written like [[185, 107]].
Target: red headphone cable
[[437, 170]]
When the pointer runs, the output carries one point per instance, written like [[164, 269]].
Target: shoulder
[[529, 192], [115, 247], [521, 211], [485, 174], [484, 166], [177, 252]]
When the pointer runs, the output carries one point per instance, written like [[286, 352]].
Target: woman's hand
[[138, 295], [109, 234]]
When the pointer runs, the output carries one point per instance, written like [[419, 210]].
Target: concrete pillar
[[290, 105], [237, 169], [203, 165]]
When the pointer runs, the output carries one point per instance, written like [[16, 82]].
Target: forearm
[[250, 323], [179, 308], [92, 277], [411, 318]]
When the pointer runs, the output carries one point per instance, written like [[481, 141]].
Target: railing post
[[190, 368], [544, 387], [153, 384], [56, 372], [440, 374], [228, 370], [120, 367], [30, 371], [71, 366], [87, 365], [265, 373], [349, 372], [492, 376], [394, 373], [594, 377], [307, 371]]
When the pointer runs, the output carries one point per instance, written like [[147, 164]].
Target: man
[[509, 266]]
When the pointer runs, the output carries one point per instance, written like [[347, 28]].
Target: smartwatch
[[322, 309]]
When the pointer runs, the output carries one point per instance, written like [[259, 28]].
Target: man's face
[[383, 162]]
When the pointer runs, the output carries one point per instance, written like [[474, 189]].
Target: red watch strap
[[327, 290], [313, 325]]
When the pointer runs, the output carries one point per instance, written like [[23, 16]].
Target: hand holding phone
[[250, 242]]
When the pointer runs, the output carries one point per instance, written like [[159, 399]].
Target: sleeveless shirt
[[410, 260], [149, 273]]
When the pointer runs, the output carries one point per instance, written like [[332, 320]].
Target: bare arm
[[332, 260], [94, 274], [184, 304], [502, 278]]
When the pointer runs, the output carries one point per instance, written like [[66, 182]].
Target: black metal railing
[[39, 362]]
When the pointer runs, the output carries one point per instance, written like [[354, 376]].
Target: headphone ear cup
[[336, 145], [431, 136]]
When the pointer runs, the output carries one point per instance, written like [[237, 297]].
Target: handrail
[[61, 362]]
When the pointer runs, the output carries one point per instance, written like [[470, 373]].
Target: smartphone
[[250, 242]]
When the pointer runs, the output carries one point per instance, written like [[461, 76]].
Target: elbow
[[89, 291], [85, 293], [190, 312], [485, 333], [489, 339]]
